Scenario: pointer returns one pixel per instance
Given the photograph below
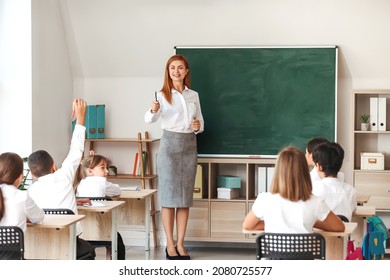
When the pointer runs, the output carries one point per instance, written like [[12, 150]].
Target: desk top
[[361, 199], [349, 228], [364, 211], [108, 206], [57, 221], [137, 194], [381, 203]]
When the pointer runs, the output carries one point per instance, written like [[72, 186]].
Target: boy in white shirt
[[340, 196], [53, 187]]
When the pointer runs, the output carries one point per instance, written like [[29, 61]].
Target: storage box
[[372, 161], [228, 193], [198, 187], [232, 182]]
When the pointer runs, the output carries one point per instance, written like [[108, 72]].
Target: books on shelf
[[137, 163]]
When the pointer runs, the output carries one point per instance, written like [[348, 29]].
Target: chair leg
[[108, 253]]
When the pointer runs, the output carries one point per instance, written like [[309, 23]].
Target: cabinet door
[[198, 220], [226, 219], [372, 183]]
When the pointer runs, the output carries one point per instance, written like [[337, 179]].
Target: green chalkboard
[[257, 100]]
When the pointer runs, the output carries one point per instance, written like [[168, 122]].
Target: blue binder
[[91, 122], [101, 119]]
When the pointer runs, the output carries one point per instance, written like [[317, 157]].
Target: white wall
[[52, 86], [15, 77]]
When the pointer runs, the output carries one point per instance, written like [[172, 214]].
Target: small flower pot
[[365, 126]]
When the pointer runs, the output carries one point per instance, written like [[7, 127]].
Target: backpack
[[374, 242]]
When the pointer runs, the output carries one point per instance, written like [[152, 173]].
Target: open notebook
[[130, 188]]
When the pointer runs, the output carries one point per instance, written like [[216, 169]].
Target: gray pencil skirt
[[176, 169]]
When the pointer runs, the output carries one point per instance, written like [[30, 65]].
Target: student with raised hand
[[53, 187], [16, 206], [291, 207], [340, 196], [181, 119], [91, 181]]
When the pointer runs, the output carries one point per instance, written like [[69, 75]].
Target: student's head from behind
[[328, 158], [310, 146], [41, 163], [11, 169], [291, 177]]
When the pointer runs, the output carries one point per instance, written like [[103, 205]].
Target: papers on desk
[[97, 204], [130, 188]]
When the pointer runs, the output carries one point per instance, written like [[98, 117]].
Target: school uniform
[[97, 186], [315, 177], [339, 196], [55, 190], [177, 154], [19, 206], [281, 215]]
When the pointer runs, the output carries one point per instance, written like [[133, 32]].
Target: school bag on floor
[[374, 242]]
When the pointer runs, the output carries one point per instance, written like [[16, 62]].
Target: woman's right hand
[[155, 107]]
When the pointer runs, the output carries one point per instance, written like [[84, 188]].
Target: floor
[[206, 252]]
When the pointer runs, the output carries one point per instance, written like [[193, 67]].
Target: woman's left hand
[[195, 125]]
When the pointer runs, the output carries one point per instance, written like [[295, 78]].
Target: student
[[181, 119], [290, 207], [310, 146], [16, 206], [340, 196], [91, 181], [53, 187]]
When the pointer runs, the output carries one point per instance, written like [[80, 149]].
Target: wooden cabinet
[[220, 220], [146, 177], [369, 182]]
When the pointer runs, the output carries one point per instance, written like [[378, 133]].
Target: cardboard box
[[226, 181], [228, 193], [372, 161]]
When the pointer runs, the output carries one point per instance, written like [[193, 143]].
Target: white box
[[228, 193], [372, 161]]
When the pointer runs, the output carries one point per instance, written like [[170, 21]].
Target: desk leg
[[114, 235], [72, 242], [336, 247], [147, 223]]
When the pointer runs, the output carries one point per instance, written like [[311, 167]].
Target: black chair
[[57, 211], [11, 243], [289, 246], [65, 211], [343, 218]]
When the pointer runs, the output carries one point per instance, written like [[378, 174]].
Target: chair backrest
[[343, 218], [58, 211], [98, 198], [289, 246], [11, 243]]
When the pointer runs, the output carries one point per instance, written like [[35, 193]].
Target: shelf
[[371, 132], [117, 140], [131, 176]]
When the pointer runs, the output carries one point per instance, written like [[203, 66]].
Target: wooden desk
[[145, 194], [361, 199], [381, 203], [99, 225], [54, 239], [336, 242]]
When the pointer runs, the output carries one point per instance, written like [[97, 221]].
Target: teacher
[[181, 119]]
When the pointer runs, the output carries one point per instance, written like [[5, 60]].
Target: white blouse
[[97, 186], [177, 117], [19, 207]]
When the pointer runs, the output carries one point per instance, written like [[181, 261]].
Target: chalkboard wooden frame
[[258, 99]]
